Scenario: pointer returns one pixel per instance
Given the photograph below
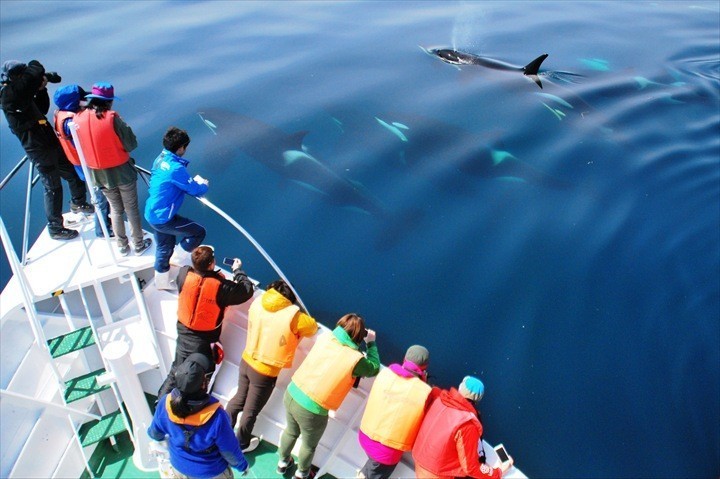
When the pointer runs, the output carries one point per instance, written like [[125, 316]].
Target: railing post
[[91, 186], [26, 225], [117, 354]]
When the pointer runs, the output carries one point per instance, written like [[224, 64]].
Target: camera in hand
[[53, 77]]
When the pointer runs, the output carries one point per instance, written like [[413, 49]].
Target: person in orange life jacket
[[106, 142], [275, 327], [24, 100], [320, 384], [449, 438], [204, 293], [200, 439], [169, 183], [394, 411], [68, 101]]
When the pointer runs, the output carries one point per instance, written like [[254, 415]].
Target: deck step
[[84, 386], [97, 430], [70, 342]]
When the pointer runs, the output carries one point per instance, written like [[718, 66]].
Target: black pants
[[374, 470], [253, 392], [52, 165], [187, 344]]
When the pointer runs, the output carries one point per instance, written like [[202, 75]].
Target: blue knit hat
[[68, 97], [472, 388]]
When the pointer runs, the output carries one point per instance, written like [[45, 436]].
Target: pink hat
[[103, 91]]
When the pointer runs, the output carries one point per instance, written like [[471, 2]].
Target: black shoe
[[141, 249], [63, 234], [84, 208], [284, 465]]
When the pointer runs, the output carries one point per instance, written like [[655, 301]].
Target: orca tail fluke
[[533, 67]]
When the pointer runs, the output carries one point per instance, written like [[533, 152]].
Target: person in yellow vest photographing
[[394, 412], [275, 327], [320, 384]]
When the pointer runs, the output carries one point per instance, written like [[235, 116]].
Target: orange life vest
[[395, 410], [197, 302], [325, 375], [270, 339], [197, 419], [100, 144], [66, 141], [435, 448]]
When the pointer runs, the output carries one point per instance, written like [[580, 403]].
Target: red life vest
[[66, 141], [197, 302], [435, 449], [100, 144]]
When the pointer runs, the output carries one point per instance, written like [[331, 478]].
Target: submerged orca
[[284, 154], [457, 57]]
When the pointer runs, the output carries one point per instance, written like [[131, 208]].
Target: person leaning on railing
[[450, 435], [320, 384], [203, 296], [275, 327], [25, 102], [394, 412], [169, 183]]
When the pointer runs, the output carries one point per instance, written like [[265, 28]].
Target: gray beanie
[[418, 354], [472, 388], [11, 67]]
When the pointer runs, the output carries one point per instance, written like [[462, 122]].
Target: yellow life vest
[[395, 409], [270, 339], [325, 375]]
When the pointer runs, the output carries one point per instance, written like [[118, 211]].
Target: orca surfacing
[[457, 57]]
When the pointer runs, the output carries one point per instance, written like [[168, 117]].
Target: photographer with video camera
[[25, 102]]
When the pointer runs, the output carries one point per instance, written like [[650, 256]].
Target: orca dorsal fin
[[295, 141], [533, 67]]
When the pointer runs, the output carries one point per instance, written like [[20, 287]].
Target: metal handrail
[[145, 174], [12, 173], [242, 231]]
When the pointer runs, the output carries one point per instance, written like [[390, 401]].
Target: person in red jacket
[[447, 443]]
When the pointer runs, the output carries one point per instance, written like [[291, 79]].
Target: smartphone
[[502, 453], [228, 261]]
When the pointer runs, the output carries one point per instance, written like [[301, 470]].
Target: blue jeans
[[104, 208], [191, 234]]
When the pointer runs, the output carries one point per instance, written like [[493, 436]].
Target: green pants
[[301, 421]]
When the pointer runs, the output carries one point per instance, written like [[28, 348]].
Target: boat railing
[[145, 174]]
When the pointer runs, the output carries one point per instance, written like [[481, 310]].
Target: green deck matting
[[117, 463], [70, 342], [83, 386], [95, 431]]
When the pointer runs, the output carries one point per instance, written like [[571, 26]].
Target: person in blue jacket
[[201, 441], [169, 183]]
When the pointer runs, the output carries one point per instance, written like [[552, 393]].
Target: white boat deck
[[93, 264]]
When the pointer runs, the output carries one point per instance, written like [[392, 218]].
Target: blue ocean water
[[561, 243]]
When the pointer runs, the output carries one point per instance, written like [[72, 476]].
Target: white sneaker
[[163, 281], [180, 257], [254, 443]]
